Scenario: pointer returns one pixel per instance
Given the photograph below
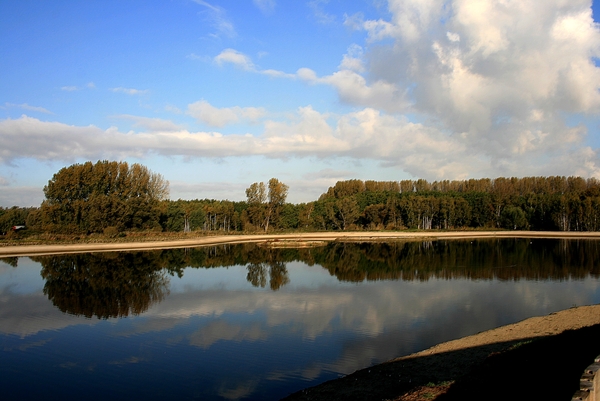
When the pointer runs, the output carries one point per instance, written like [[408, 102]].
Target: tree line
[[114, 197]]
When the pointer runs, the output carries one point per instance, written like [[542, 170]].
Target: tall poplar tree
[[263, 206]]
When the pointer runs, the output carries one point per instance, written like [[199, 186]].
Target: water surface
[[245, 322]]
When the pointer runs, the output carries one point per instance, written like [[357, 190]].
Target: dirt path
[[29, 250]]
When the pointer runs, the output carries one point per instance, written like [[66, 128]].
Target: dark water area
[[247, 322]]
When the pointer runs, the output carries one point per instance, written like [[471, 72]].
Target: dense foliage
[[93, 197], [535, 203], [113, 197], [14, 216]]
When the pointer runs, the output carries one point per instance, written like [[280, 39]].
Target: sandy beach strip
[[33, 250]]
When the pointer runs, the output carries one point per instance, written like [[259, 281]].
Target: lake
[[248, 322]]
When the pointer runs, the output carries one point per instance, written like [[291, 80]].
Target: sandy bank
[[537, 358], [31, 250]]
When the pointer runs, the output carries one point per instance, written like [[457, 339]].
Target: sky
[[215, 95]]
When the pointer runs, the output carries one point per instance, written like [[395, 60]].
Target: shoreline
[[456, 368], [38, 250]]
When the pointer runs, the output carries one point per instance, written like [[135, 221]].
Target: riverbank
[[538, 358], [16, 249]]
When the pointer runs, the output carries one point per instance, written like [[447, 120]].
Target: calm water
[[245, 322]]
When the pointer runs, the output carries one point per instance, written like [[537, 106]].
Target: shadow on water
[[538, 368]]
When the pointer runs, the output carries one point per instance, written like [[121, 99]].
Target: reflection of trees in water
[[118, 284], [505, 259], [265, 261], [12, 261], [104, 284], [277, 272]]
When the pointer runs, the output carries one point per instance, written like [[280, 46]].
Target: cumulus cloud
[[353, 60], [503, 78], [416, 148], [28, 137], [491, 88], [219, 117], [236, 58]]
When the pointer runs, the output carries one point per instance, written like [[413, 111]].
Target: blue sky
[[216, 95]]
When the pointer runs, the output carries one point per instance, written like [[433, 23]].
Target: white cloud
[[504, 76], [235, 57], [130, 91], [277, 74], [219, 117], [351, 86], [353, 60], [29, 137], [243, 61], [453, 37], [393, 141]]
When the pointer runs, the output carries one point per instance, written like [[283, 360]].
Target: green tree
[[91, 197], [265, 207], [256, 196], [513, 218], [342, 212], [14, 216], [277, 195]]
